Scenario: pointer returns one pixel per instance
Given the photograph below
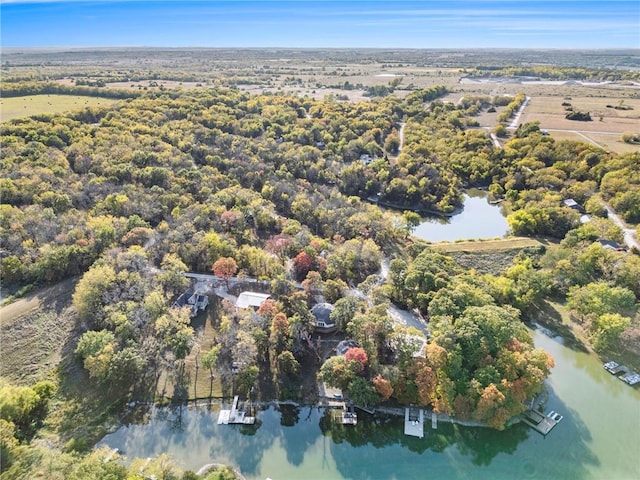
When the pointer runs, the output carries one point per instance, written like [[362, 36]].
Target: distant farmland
[[19, 107]]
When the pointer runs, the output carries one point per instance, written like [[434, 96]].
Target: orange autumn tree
[[225, 268]]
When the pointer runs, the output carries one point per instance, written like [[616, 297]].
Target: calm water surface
[[599, 438], [478, 219]]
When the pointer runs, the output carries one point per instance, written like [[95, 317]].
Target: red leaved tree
[[357, 354]]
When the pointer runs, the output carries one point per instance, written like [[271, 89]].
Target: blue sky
[[399, 24]]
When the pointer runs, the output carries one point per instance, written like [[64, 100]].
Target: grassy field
[[487, 245], [37, 332], [20, 107], [550, 112]]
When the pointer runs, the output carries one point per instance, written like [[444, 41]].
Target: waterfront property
[[595, 441]]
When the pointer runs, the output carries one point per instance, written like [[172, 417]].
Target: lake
[[598, 438], [478, 219]]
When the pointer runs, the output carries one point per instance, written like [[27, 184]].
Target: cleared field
[[613, 143], [550, 112], [487, 245], [20, 107], [595, 105]]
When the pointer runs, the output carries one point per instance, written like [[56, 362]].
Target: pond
[[478, 219], [598, 437]]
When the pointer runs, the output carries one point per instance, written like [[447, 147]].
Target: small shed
[[252, 300]]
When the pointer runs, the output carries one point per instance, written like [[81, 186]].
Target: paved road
[[629, 233], [495, 140]]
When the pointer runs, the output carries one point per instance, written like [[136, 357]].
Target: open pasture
[[20, 107], [550, 112]]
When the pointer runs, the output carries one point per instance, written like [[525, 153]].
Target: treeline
[[51, 88], [558, 73]]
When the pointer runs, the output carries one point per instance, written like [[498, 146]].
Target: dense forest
[[285, 190]]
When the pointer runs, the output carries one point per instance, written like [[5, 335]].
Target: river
[[478, 220], [599, 438]]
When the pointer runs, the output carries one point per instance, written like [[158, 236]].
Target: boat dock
[[623, 373], [414, 422], [631, 378], [539, 422], [349, 418], [234, 415]]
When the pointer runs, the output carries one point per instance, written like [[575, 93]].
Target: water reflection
[[597, 438], [478, 219]]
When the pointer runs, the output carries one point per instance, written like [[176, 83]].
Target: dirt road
[[32, 301]]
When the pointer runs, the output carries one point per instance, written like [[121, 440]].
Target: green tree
[[88, 295], [344, 311], [362, 392], [174, 332], [596, 299], [96, 348], [606, 329]]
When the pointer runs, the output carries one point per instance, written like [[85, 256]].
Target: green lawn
[[19, 107]]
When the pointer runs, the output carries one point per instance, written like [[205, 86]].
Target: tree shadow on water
[[516, 452], [298, 433]]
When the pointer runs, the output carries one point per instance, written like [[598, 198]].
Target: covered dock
[[539, 422], [414, 422], [615, 368], [349, 418], [235, 416], [631, 378]]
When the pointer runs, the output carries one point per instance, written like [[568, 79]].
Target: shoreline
[[385, 410]]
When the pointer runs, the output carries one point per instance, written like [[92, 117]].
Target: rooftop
[[251, 299]]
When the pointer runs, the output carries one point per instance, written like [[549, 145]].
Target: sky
[[329, 24]]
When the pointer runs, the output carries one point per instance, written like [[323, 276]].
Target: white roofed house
[[251, 300]]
